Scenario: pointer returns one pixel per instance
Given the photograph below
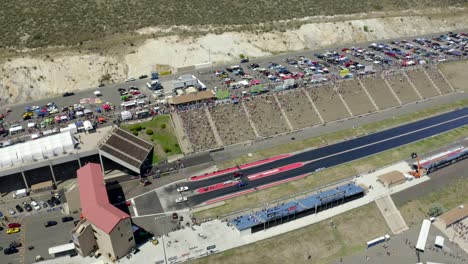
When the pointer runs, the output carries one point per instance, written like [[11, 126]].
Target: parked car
[[11, 211], [10, 250], [182, 189], [15, 244], [130, 79], [13, 225], [55, 200], [12, 230], [144, 76], [19, 208], [67, 219], [50, 203], [175, 216], [43, 204], [27, 207], [68, 94], [35, 205], [181, 199], [50, 223]]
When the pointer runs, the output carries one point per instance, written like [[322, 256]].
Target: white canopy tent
[[87, 125], [35, 150]]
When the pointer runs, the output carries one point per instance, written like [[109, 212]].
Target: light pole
[[164, 249]]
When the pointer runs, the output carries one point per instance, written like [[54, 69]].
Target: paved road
[[341, 152]]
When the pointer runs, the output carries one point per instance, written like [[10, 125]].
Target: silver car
[[12, 212]]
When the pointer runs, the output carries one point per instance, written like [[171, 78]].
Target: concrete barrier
[[203, 65]]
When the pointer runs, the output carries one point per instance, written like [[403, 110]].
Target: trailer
[[20, 193], [423, 234]]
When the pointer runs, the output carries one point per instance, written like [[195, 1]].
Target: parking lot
[[32, 230]]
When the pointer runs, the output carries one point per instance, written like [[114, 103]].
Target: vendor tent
[[126, 115], [39, 149], [87, 125]]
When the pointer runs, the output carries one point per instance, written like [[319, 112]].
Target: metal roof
[[250, 220], [94, 201], [126, 149]]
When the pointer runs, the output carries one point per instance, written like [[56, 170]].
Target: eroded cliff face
[[33, 77]]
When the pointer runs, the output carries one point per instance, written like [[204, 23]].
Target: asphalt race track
[[338, 153]]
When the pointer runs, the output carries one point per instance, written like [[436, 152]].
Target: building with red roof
[[104, 227]]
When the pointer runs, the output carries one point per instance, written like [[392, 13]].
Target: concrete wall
[[116, 244], [11, 183], [122, 238], [65, 171], [72, 195], [38, 175], [85, 242]]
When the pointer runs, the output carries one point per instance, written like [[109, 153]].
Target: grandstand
[[402, 87], [269, 114], [298, 108], [270, 217], [198, 129], [126, 149], [230, 120], [266, 115]]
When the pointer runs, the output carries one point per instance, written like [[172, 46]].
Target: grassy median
[[317, 243], [341, 135], [160, 131], [334, 174], [449, 197]]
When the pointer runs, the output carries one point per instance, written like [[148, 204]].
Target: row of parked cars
[[34, 205]]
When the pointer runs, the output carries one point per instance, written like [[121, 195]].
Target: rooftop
[[293, 207], [192, 97], [123, 146], [455, 215], [94, 201]]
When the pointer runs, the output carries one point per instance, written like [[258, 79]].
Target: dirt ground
[[231, 122], [355, 97], [402, 88], [319, 243], [455, 72], [298, 108], [379, 91], [422, 83], [325, 96], [266, 115]]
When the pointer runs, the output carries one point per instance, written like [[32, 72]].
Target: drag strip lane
[[347, 155], [275, 171], [342, 146]]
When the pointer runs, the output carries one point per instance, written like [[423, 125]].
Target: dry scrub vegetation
[[38, 23]]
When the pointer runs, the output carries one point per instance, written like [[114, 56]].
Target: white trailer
[[20, 193], [423, 234]]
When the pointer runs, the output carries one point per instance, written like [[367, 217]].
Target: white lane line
[[145, 193], [134, 207], [387, 139], [162, 214]]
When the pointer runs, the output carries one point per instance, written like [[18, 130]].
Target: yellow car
[[12, 230]]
